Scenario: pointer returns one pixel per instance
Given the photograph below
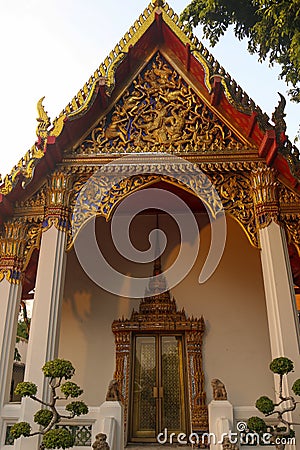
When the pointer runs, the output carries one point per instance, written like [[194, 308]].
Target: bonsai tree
[[56, 372], [281, 366]]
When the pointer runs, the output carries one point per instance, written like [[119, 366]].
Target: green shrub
[[296, 387], [257, 424], [43, 417], [58, 368], [282, 365], [265, 405], [70, 389], [77, 408], [20, 429], [26, 389], [58, 438]]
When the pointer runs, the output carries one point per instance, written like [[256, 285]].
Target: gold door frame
[[160, 316]]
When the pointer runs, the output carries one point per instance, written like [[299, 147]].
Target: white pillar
[[279, 292], [220, 419], [111, 422], [10, 296], [45, 323], [280, 302]]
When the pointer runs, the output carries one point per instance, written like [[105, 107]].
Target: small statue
[[219, 390], [113, 393], [100, 442], [227, 445]]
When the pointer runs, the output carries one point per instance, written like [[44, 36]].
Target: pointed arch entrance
[[159, 366]]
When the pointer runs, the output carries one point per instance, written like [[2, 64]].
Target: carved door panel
[[158, 387]]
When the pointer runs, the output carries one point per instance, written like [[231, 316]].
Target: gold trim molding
[[18, 239], [265, 196], [250, 192], [231, 180]]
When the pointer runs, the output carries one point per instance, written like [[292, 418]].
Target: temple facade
[[159, 138]]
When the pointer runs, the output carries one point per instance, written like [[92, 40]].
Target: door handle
[[158, 392]]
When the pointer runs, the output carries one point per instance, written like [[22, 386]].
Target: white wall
[[236, 345]]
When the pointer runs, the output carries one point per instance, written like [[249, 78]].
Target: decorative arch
[[100, 195]]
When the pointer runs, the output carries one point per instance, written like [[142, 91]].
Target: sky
[[50, 48]]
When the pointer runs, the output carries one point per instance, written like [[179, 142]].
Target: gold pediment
[[160, 112]]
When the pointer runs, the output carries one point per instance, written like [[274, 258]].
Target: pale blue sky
[[52, 47]]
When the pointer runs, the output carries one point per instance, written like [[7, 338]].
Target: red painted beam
[[269, 148], [188, 57], [215, 97], [252, 123]]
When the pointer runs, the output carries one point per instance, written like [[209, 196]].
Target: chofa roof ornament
[[158, 3]]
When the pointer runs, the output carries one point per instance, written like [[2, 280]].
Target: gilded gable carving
[[160, 112]]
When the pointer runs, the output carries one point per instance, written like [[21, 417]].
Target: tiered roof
[[157, 29]]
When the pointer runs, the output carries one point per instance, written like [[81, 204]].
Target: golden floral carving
[[107, 189], [160, 112], [289, 200], [57, 201], [235, 192], [231, 179], [18, 239], [292, 228], [265, 195], [290, 214]]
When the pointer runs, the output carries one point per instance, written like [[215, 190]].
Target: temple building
[[159, 138]]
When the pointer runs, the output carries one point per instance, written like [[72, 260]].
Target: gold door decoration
[[158, 386], [160, 112], [172, 383], [159, 314], [144, 378]]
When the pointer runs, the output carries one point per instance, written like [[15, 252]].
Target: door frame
[[163, 316]]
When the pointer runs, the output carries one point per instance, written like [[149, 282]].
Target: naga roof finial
[[278, 117], [43, 120], [158, 3]]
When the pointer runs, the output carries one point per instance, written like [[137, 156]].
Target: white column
[[45, 323], [111, 422], [280, 302], [220, 419], [280, 296], [10, 296]]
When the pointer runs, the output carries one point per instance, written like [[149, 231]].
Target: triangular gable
[[160, 112]]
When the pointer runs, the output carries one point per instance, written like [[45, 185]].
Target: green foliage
[[77, 408], [257, 424], [53, 438], [70, 389], [296, 387], [58, 438], [58, 368], [20, 429], [22, 330], [43, 417], [282, 366], [272, 29], [26, 389], [282, 430], [265, 405]]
